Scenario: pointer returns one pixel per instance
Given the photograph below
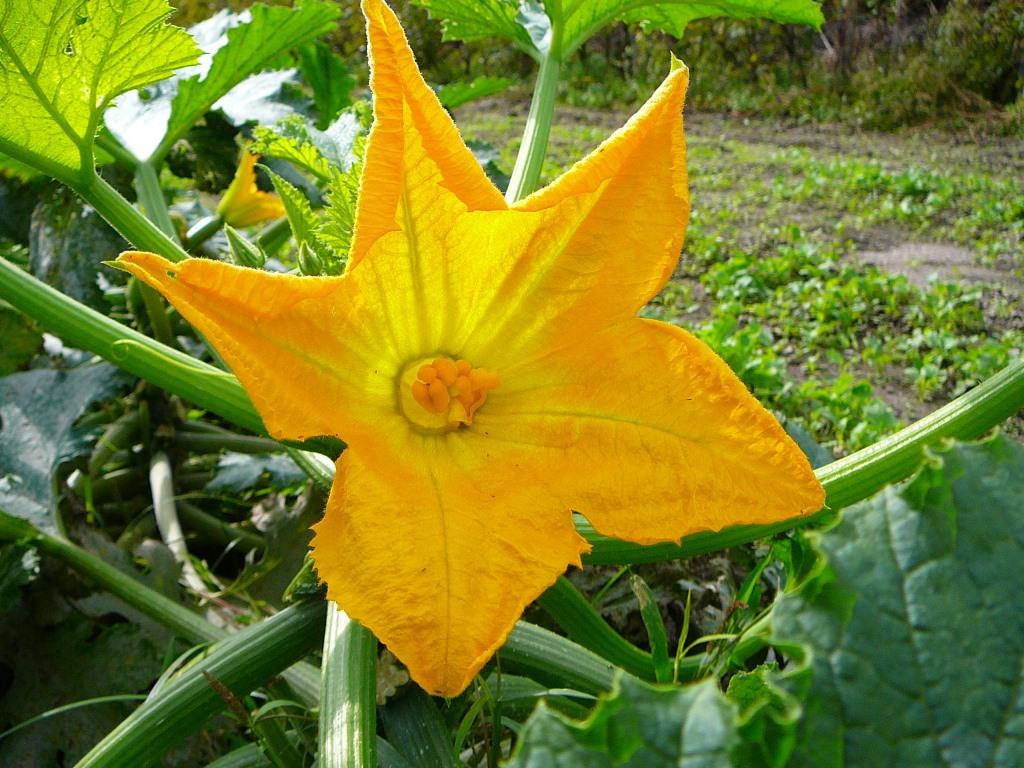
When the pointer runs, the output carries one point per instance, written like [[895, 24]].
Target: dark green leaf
[[329, 78], [68, 242], [238, 472], [414, 727], [63, 61], [638, 726], [21, 339], [915, 628], [38, 410], [488, 155], [19, 566]]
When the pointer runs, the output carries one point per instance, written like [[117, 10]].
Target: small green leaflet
[[235, 46], [516, 20], [61, 64], [914, 629]]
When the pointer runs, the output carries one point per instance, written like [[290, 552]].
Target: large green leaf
[[638, 726], [522, 21], [584, 17], [915, 627], [235, 46], [63, 61], [38, 411]]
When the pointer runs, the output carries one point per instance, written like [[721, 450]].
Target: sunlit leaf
[[915, 629], [61, 63], [235, 46], [329, 78], [524, 25]]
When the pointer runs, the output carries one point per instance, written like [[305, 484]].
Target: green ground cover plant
[[159, 605]]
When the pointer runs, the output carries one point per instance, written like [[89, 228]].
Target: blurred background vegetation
[[879, 64]]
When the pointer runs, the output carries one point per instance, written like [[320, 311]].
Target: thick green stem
[[234, 667], [203, 230], [122, 216], [564, 603], [348, 694], [151, 198], [303, 678], [530, 159]]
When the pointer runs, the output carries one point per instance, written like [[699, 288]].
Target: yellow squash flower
[[245, 204], [485, 365]]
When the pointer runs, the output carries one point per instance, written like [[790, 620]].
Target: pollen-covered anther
[[453, 388]]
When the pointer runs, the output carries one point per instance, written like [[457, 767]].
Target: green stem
[[234, 667], [583, 624], [151, 198], [122, 216], [303, 678], [216, 439], [530, 159], [203, 230], [216, 530], [82, 327], [348, 694], [548, 658]]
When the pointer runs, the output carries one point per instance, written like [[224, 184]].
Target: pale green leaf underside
[[581, 19], [61, 63], [916, 627], [250, 48]]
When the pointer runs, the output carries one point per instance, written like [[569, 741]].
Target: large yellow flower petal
[[438, 549], [651, 436], [587, 251], [304, 348], [415, 153]]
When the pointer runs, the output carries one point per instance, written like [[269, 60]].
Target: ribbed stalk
[[530, 160], [551, 659], [583, 624], [303, 678], [348, 694], [122, 216], [234, 666]]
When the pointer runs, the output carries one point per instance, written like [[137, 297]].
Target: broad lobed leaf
[[638, 726], [581, 19], [61, 64], [235, 46], [915, 628]]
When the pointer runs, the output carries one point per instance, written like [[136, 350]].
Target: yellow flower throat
[[444, 394]]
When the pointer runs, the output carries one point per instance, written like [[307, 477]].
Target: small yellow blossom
[[485, 365], [243, 203]]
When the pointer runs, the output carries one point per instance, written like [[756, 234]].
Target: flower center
[[443, 394]]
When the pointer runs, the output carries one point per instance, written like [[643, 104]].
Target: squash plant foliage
[[365, 324]]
